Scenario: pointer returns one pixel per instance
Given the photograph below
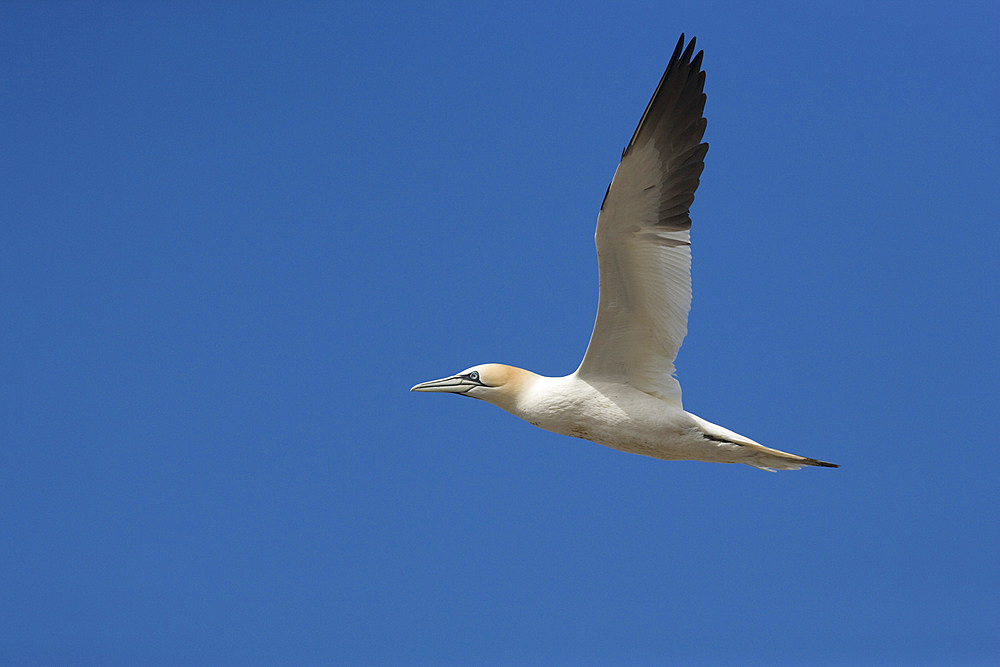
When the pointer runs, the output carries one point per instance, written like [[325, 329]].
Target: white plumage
[[624, 394]]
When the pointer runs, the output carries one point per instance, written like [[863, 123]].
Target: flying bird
[[624, 394]]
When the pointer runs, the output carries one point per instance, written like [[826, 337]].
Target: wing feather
[[643, 237]]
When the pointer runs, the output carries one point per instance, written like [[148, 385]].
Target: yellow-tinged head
[[496, 383]]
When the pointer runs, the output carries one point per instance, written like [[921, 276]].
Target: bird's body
[[624, 395], [616, 415]]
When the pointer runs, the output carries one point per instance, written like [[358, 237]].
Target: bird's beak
[[456, 384]]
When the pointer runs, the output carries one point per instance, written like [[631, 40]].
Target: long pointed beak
[[454, 385]]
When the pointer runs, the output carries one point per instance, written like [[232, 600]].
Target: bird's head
[[494, 383]]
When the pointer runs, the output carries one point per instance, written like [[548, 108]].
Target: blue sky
[[235, 234]]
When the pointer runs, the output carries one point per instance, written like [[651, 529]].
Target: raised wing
[[643, 238]]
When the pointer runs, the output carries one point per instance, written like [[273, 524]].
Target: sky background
[[233, 235]]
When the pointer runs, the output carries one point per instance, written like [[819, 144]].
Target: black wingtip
[[689, 51], [821, 464], [681, 58], [677, 49], [696, 63]]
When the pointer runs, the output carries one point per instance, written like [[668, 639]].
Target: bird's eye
[[474, 375]]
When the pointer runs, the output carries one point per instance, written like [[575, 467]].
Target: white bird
[[624, 395]]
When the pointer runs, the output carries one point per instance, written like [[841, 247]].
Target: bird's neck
[[517, 387]]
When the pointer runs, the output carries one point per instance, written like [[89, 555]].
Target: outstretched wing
[[643, 238]]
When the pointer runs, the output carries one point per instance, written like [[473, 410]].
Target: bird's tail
[[765, 458], [755, 454], [773, 460]]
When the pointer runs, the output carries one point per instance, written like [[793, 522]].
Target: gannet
[[624, 394]]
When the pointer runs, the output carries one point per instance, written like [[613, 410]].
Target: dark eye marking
[[474, 378]]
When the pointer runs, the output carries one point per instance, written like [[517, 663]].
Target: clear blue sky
[[235, 234]]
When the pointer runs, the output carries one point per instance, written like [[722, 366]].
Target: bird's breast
[[609, 414]]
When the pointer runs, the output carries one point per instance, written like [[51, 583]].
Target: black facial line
[[468, 376]]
